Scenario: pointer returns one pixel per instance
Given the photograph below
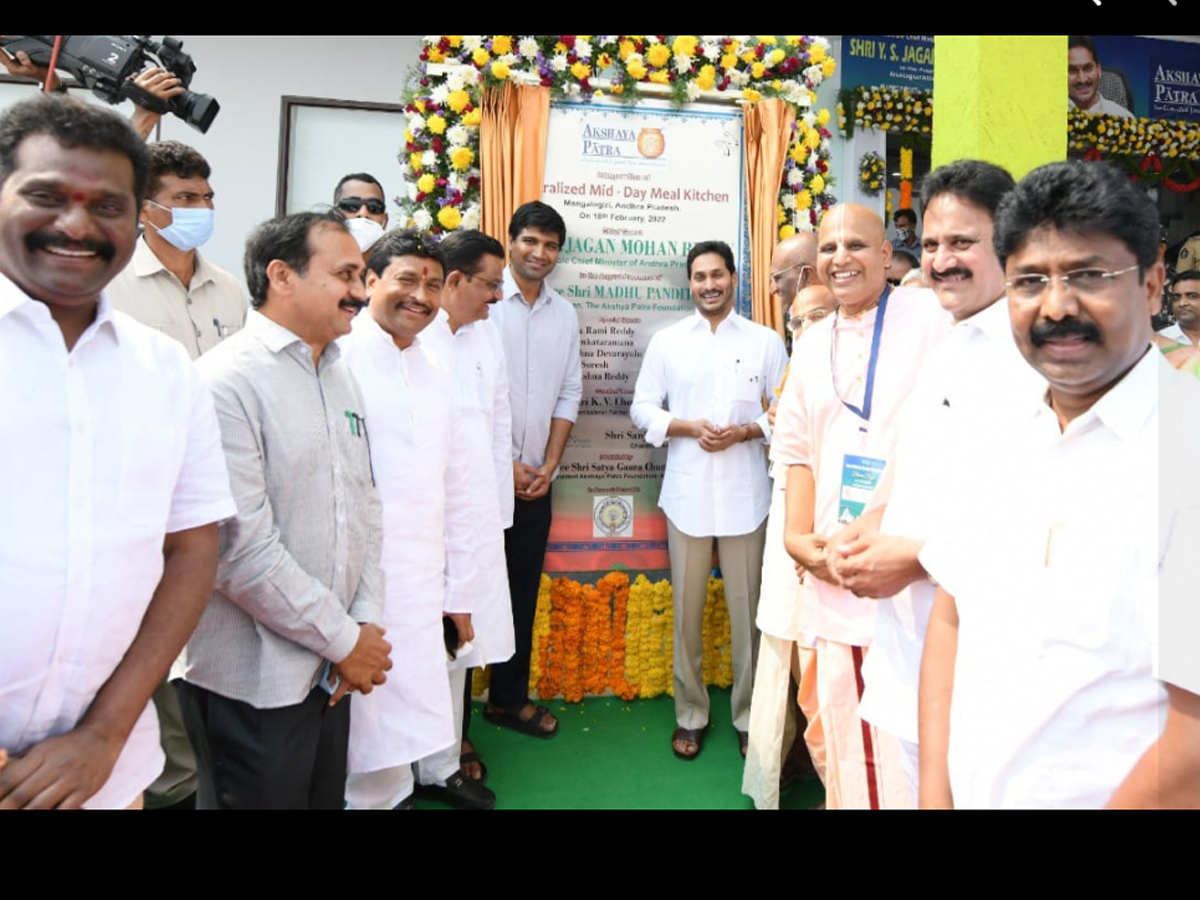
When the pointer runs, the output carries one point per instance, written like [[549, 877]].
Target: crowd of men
[[296, 527]]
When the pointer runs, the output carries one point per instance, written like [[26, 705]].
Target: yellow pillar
[[1000, 99]]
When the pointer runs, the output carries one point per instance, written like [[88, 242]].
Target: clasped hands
[[714, 438], [366, 665], [858, 558]]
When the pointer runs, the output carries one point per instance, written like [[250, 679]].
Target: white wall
[[248, 75]]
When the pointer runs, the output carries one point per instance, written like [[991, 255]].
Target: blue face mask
[[189, 228]]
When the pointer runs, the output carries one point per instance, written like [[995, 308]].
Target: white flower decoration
[[411, 187], [693, 90], [456, 80], [528, 47], [795, 177], [558, 62], [457, 135], [428, 159], [712, 52], [470, 219], [422, 219], [583, 49], [683, 64], [416, 124], [788, 201], [440, 93], [813, 75], [472, 42], [803, 222]]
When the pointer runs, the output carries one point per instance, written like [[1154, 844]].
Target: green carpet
[[610, 754]]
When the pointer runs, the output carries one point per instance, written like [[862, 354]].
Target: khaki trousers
[[741, 567]]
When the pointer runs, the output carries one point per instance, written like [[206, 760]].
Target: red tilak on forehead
[[424, 271], [77, 198]]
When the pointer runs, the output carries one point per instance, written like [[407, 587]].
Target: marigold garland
[[891, 109], [616, 637], [872, 175], [1155, 150], [441, 141]]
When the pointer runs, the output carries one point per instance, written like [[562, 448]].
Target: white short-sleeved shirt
[[1055, 568], [106, 448], [814, 428], [723, 376], [972, 380]]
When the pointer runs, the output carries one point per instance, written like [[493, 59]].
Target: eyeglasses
[[793, 323], [777, 277], [1086, 282], [492, 286], [374, 206]]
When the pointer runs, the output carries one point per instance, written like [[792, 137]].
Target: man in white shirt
[[776, 753], [702, 386], [1185, 303], [113, 480], [470, 345], [428, 535], [540, 333], [977, 374], [168, 285], [1083, 79], [1059, 666], [836, 430]]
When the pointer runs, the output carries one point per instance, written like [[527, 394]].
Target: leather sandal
[[690, 736]]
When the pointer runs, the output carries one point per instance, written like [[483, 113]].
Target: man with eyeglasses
[[976, 372], [776, 754], [1059, 667], [359, 197], [836, 434]]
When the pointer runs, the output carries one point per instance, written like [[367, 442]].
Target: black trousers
[[525, 551], [292, 757]]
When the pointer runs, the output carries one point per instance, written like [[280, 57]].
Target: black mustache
[[957, 270], [1046, 330], [351, 303], [39, 241], [424, 307]]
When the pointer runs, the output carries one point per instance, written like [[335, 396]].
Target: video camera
[[107, 63]]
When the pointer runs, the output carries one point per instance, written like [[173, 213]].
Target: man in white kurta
[[428, 535], [851, 374], [469, 344]]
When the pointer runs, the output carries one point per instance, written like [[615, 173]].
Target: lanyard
[[869, 388]]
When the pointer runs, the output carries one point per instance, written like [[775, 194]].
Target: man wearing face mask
[[359, 197], [168, 285]]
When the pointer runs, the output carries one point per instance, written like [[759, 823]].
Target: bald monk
[[836, 437]]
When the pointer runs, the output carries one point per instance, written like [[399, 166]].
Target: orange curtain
[[512, 152], [768, 129]]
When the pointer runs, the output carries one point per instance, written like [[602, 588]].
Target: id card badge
[[860, 477]]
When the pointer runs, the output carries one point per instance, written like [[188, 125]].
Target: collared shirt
[[1055, 568], [300, 562], [107, 448], [723, 376], [484, 439], [199, 315], [814, 428], [545, 379], [1176, 333], [428, 542], [977, 378]]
